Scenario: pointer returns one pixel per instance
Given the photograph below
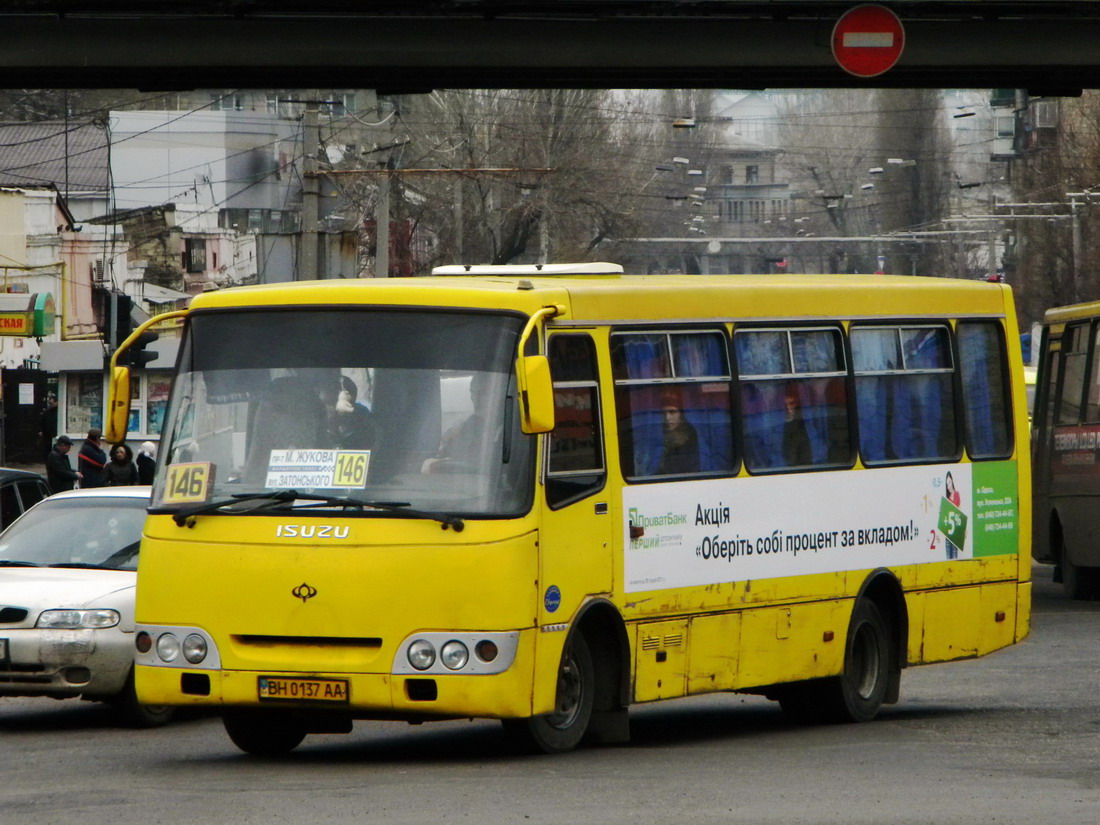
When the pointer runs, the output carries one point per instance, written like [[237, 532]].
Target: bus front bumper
[[358, 695]]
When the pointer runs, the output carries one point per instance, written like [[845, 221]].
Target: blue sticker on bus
[[552, 599]]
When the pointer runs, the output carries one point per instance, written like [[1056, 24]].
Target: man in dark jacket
[[60, 474], [91, 461]]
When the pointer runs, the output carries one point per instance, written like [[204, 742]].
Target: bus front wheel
[[563, 729], [263, 734]]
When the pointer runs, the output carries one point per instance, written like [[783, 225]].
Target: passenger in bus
[[351, 425], [681, 442], [465, 444], [797, 451]]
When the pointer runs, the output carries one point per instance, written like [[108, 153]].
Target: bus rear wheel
[[857, 694], [563, 729], [263, 734]]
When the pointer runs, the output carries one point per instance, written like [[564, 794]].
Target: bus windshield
[[408, 409]]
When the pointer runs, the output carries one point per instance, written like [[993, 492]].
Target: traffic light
[[137, 356]]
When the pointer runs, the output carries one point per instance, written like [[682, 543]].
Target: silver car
[[68, 567]]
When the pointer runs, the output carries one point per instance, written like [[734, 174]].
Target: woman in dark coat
[[120, 470]]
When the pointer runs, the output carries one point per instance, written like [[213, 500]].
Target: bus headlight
[[194, 648], [168, 647], [454, 655], [421, 654]]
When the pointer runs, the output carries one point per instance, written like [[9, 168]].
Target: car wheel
[[134, 714]]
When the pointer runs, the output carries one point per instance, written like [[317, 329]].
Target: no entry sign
[[868, 40]]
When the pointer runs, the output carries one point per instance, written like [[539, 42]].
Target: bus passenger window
[[1074, 349], [794, 400], [986, 407], [576, 466], [672, 400], [905, 394]]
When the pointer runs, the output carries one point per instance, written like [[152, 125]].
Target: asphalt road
[[1011, 738]]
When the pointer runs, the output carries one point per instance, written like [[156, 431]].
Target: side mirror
[[536, 393], [118, 413]]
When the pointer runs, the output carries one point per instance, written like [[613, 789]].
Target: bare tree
[[838, 148], [520, 175]]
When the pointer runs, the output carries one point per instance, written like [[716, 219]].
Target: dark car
[[19, 491]]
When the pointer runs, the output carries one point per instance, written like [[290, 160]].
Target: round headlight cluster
[[169, 648], [453, 655]]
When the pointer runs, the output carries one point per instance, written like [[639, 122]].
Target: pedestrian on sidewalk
[[60, 474], [92, 461]]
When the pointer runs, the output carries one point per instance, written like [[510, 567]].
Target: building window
[[157, 401], [83, 402], [752, 174], [194, 255]]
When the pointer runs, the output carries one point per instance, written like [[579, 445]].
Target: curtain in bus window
[[793, 398], [657, 442], [764, 352], [680, 425], [986, 408], [904, 394], [640, 356]]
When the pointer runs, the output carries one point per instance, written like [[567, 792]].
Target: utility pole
[[311, 142], [1078, 269], [382, 226]]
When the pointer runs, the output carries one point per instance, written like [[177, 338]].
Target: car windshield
[[81, 532], [406, 409]]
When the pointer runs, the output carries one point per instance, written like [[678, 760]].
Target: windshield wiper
[[13, 563], [78, 565], [399, 507], [186, 517]]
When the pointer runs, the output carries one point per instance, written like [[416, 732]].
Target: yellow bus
[[1065, 447], [543, 494]]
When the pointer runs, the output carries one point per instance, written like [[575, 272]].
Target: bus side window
[[986, 407], [794, 398], [672, 400], [905, 394], [575, 468], [1074, 352]]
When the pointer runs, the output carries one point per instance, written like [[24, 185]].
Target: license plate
[[303, 690]]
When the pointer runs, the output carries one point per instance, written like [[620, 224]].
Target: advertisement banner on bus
[[696, 533]]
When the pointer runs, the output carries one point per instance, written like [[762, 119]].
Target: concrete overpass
[[1046, 46]]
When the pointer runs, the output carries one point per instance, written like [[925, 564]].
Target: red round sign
[[868, 40]]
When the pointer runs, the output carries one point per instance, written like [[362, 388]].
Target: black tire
[[134, 714], [263, 734], [563, 729], [1078, 583], [858, 693], [861, 689]]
